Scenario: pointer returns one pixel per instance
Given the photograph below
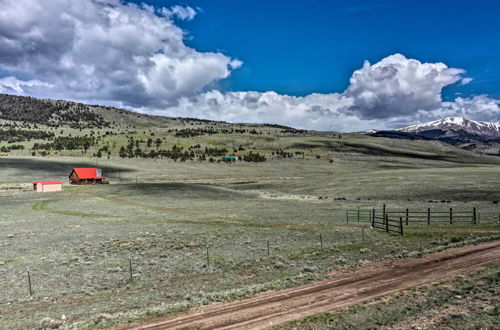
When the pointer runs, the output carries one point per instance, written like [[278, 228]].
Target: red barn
[[86, 175]]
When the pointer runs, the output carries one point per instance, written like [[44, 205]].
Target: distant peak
[[457, 123]]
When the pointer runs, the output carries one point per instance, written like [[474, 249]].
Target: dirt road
[[274, 307]]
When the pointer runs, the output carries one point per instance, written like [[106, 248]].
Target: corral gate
[[389, 225], [359, 215]]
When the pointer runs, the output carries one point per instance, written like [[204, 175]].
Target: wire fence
[[84, 274]]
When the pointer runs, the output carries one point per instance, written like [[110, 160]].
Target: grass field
[[266, 225], [78, 244]]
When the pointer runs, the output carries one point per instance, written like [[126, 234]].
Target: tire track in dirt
[[274, 307]]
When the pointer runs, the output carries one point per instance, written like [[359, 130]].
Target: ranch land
[[79, 244], [178, 228]]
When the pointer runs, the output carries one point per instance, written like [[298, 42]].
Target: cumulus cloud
[[479, 107], [392, 93], [314, 111], [106, 50], [398, 86], [116, 53]]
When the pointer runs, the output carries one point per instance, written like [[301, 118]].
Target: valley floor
[[167, 236]]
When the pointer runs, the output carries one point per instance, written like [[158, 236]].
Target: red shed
[[47, 186], [86, 175]]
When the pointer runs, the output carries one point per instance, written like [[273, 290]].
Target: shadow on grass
[[402, 151], [179, 190], [56, 168]]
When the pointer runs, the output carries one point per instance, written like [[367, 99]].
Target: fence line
[[205, 257], [427, 217]]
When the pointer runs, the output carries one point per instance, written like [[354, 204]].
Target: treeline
[[11, 147], [254, 157], [67, 143], [51, 113], [294, 131], [134, 150], [194, 132], [280, 153], [13, 135]]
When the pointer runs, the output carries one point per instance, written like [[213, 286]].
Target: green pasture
[[161, 216]]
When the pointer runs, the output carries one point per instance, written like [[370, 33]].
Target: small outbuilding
[[230, 159], [86, 175], [47, 186]]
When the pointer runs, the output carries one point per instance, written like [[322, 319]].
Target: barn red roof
[[47, 182], [87, 173]]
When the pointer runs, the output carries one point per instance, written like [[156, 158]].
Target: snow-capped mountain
[[461, 132], [456, 125]]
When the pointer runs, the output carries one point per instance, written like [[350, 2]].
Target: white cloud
[[392, 93], [398, 86], [479, 107], [12, 85], [315, 111], [106, 50], [465, 81], [183, 13]]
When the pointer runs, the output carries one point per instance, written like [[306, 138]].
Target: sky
[[325, 65]]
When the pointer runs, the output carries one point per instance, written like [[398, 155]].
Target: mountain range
[[469, 134], [457, 124]]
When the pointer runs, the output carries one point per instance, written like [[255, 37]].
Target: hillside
[[48, 112], [34, 127]]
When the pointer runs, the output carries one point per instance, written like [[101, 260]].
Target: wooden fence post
[[401, 225], [321, 241], [428, 216], [208, 259], [451, 215], [383, 211], [130, 268], [358, 214], [407, 213], [268, 248], [29, 283], [373, 218], [474, 215]]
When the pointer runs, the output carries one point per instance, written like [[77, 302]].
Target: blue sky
[[326, 65], [298, 46]]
